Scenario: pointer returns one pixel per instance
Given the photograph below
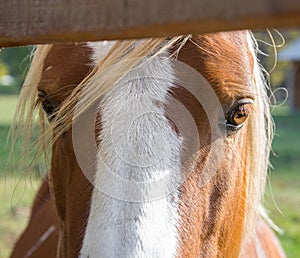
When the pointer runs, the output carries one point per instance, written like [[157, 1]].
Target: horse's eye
[[47, 105], [238, 115]]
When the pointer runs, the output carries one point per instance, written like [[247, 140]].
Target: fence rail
[[37, 21]]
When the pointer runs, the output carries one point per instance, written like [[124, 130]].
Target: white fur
[[138, 145], [42, 239], [100, 49], [260, 252]]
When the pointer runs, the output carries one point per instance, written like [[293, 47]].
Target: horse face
[[64, 67], [208, 226], [193, 220]]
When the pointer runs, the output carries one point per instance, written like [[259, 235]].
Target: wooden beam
[[38, 21]]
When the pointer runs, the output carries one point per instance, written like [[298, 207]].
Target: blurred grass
[[15, 201], [16, 195], [16, 189], [8, 105], [285, 180]]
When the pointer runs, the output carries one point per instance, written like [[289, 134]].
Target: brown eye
[[238, 115], [47, 105]]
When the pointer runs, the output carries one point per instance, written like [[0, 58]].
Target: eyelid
[[244, 101], [42, 93], [237, 104], [234, 128]]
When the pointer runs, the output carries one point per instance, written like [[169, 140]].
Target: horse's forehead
[[64, 66], [225, 60]]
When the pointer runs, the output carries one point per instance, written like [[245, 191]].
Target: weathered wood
[[38, 21]]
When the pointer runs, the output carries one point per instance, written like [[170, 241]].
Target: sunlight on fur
[[101, 79]]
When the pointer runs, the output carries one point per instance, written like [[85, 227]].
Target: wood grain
[[37, 21]]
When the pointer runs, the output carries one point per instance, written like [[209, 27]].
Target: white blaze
[[138, 144]]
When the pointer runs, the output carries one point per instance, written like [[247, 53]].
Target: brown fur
[[212, 217], [43, 216], [204, 210], [71, 189]]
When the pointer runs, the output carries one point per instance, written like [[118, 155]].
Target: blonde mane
[[29, 117], [260, 135], [102, 78]]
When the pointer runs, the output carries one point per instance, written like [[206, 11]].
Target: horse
[[41, 236], [159, 146]]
